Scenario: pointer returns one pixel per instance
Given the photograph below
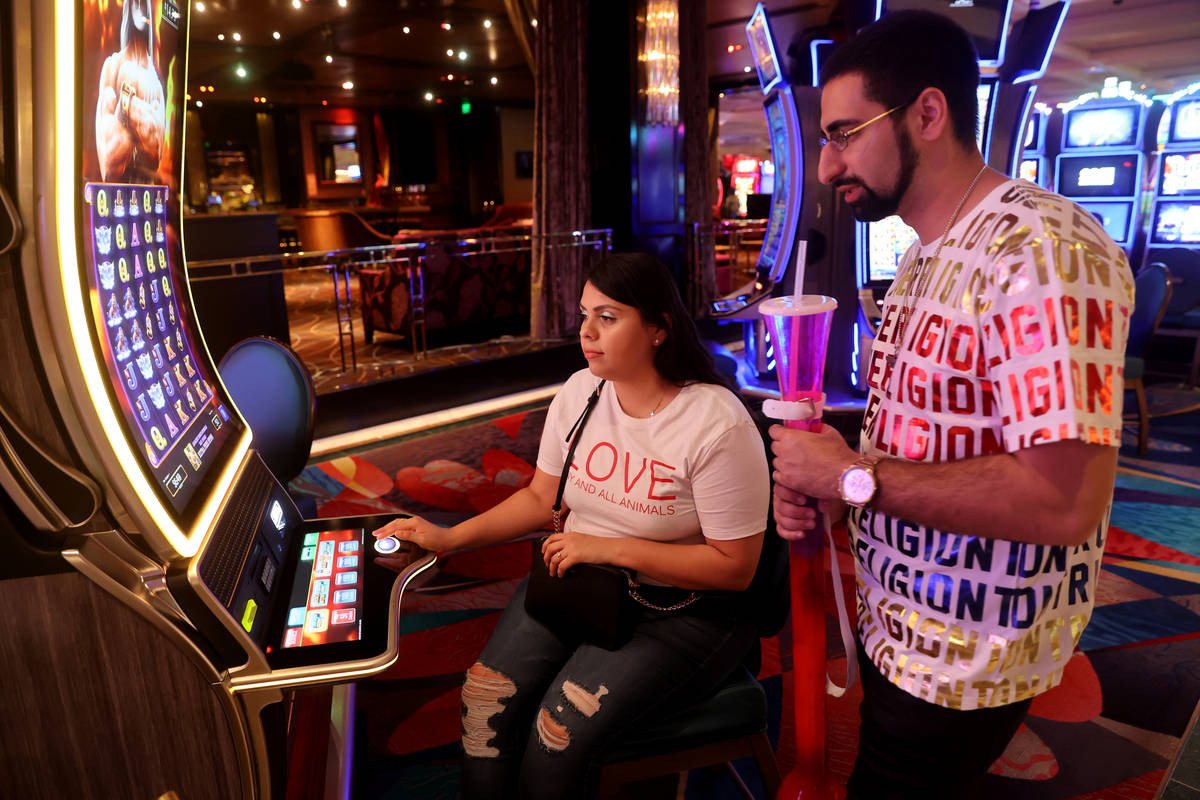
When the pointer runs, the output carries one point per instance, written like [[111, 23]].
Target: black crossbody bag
[[591, 602]]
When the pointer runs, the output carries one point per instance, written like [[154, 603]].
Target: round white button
[[388, 544]]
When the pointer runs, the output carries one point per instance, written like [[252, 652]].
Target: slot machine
[[796, 226], [1033, 151], [1102, 160], [1010, 66], [1175, 214], [162, 591]]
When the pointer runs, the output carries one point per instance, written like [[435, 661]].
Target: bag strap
[[573, 436]]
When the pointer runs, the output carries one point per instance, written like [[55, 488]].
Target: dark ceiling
[[1151, 42]]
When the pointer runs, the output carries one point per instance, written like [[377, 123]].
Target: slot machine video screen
[[326, 602], [1102, 127], [983, 20], [1180, 174], [887, 242], [1176, 222], [160, 375], [1185, 122], [758, 32], [1030, 170], [777, 128], [1033, 131], [1114, 217], [1098, 176]]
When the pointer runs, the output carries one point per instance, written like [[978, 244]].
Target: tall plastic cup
[[799, 329]]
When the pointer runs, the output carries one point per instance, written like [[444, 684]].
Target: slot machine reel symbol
[[142, 295], [121, 346], [183, 417], [179, 375], [144, 366], [147, 232], [154, 392], [162, 259], [170, 351], [130, 376], [166, 286], [119, 205], [191, 400], [127, 304], [142, 409], [154, 292], [146, 200], [137, 266], [170, 387], [113, 317], [187, 363], [158, 315], [134, 241], [135, 337], [104, 239], [159, 440], [158, 203], [149, 323], [119, 236], [159, 236], [151, 267], [133, 203], [102, 203], [171, 429], [123, 269], [156, 351], [108, 275]]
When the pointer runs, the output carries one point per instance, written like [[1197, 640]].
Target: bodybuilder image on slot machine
[[130, 117]]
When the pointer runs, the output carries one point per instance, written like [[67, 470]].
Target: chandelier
[[660, 60]]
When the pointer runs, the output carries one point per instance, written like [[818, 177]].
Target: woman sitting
[[668, 480]]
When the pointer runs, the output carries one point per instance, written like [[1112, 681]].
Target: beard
[[873, 206]]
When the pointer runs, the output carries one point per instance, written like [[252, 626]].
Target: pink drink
[[800, 332]]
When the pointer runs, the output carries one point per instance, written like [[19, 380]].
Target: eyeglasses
[[841, 139]]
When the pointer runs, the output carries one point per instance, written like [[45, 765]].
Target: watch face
[[858, 486]]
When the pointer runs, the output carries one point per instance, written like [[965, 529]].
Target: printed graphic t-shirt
[[1016, 338], [695, 469]]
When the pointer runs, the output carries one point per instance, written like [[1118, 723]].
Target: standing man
[[130, 113], [978, 500]]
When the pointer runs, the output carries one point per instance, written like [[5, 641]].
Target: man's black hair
[[906, 52]]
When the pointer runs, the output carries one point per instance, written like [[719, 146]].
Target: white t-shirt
[[1016, 338], [695, 469]]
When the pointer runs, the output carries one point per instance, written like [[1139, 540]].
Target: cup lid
[[797, 305]]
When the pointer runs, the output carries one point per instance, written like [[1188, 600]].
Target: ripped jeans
[[539, 712]]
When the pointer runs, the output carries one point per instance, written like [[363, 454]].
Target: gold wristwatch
[[858, 483]]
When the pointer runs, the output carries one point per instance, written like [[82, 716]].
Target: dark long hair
[[642, 281]]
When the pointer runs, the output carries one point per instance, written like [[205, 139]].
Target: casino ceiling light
[[343, 3], [275, 35], [237, 37], [406, 29], [462, 55], [348, 85], [428, 96], [199, 104], [446, 26], [200, 7], [450, 52], [240, 71], [296, 4], [494, 80], [220, 37], [487, 23], [328, 59]]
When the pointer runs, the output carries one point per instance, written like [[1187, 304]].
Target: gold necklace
[[908, 310]]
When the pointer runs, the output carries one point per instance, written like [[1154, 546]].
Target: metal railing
[[735, 244], [409, 255]]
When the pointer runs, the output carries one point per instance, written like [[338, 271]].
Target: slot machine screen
[[325, 605], [762, 47], [1185, 122], [777, 129], [1098, 176], [985, 21], [887, 242], [1176, 222], [1180, 174], [1030, 169], [1102, 127], [1114, 217], [172, 408], [1033, 130]]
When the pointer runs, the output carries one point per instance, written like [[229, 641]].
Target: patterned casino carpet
[[1109, 731]]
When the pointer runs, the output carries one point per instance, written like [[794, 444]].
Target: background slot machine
[[1102, 163], [1010, 66], [1175, 215], [1033, 151], [162, 591], [796, 198]]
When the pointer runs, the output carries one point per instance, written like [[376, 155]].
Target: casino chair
[[274, 392], [1152, 294], [1182, 316]]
